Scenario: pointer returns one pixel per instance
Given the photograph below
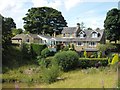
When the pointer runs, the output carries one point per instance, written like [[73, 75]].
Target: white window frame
[[81, 35], [94, 35]]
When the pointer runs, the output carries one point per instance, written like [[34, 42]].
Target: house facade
[[26, 38], [81, 39]]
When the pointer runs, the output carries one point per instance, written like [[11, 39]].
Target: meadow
[[103, 77]]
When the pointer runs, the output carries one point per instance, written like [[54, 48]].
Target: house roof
[[69, 30], [44, 36], [21, 36], [88, 36]]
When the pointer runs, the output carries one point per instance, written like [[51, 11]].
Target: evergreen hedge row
[[92, 62]]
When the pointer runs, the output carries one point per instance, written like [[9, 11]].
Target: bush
[[37, 48], [92, 62], [67, 60], [45, 52], [66, 48], [50, 74], [115, 59], [85, 54], [99, 54]]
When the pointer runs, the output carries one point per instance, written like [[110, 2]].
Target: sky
[[91, 12]]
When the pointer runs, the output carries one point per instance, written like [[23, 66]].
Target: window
[[80, 43], [92, 44], [27, 40], [81, 35], [63, 35], [94, 35]]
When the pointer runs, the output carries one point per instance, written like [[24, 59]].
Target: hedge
[[92, 62]]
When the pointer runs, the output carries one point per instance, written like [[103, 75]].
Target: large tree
[[7, 25], [44, 19], [112, 25]]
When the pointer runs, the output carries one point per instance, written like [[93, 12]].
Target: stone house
[[26, 38]]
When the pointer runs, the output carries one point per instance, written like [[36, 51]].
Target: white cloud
[[71, 3], [15, 9], [54, 4]]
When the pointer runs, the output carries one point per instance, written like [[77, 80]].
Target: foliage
[[85, 54], [105, 47], [7, 25], [92, 62], [99, 54], [115, 59], [67, 60], [45, 52], [16, 31], [112, 24], [44, 20], [50, 74], [37, 48], [73, 47], [66, 48]]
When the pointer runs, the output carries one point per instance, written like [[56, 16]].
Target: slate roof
[[69, 30], [88, 36]]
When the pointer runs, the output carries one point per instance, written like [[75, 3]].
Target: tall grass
[[81, 78]]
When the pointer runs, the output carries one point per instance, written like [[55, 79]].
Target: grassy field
[[80, 78]]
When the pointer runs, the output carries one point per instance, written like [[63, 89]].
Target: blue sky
[[91, 12]]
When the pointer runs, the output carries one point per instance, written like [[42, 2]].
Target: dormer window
[[94, 35], [82, 34]]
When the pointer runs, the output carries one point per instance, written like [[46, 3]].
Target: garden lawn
[[80, 78]]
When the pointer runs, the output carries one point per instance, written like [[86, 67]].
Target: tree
[[44, 20], [7, 25], [112, 25], [16, 31]]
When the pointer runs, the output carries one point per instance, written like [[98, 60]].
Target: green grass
[[80, 78]]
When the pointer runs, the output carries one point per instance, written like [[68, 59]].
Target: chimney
[[78, 25]]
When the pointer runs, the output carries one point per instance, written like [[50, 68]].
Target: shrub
[[67, 60], [43, 61], [45, 52], [37, 48], [85, 54], [99, 54], [92, 62], [73, 47], [66, 48], [50, 74], [115, 59]]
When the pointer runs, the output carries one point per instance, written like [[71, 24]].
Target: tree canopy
[[7, 25], [112, 24], [44, 19], [16, 31]]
